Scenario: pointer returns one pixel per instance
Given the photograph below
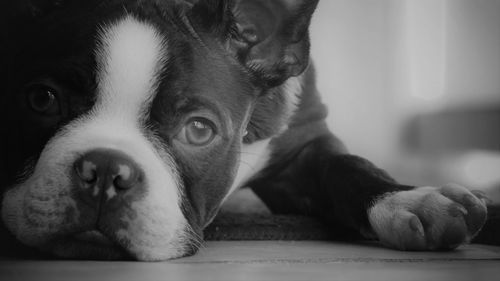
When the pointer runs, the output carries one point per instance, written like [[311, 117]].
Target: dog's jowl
[[126, 124]]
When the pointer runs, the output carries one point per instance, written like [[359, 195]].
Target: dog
[[127, 123]]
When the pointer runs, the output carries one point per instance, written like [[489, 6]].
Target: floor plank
[[273, 260]]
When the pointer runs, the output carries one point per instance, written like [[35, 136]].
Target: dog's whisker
[[245, 152]]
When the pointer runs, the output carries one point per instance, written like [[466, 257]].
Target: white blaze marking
[[130, 57]]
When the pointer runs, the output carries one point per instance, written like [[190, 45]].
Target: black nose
[[108, 170]]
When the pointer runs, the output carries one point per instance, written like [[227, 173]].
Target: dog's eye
[[43, 100], [198, 131]]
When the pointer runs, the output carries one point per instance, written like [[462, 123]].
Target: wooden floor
[[275, 260]]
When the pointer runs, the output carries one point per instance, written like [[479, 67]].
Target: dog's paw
[[428, 218]]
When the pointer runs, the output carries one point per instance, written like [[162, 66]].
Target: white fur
[[129, 60], [293, 88], [130, 55], [253, 158]]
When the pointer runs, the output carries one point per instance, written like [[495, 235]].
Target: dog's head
[[124, 121]]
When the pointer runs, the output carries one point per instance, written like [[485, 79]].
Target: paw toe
[[453, 235], [475, 207], [457, 211], [413, 233], [404, 231]]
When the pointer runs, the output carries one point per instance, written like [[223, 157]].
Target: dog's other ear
[[273, 37]]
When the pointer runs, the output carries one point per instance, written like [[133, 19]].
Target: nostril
[[127, 177], [86, 171]]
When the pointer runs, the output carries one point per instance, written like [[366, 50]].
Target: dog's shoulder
[[291, 115]]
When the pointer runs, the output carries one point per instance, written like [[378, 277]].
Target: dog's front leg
[[350, 193]]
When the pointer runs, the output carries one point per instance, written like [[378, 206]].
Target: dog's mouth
[[91, 244]]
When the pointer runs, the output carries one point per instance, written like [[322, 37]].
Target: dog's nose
[[107, 169]]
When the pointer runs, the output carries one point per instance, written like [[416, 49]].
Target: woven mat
[[245, 217], [236, 226]]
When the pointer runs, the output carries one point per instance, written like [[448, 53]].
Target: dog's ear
[[270, 37], [273, 37]]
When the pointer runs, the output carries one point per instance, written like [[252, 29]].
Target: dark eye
[[43, 100], [198, 131]]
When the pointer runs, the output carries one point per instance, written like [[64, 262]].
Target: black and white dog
[[127, 123]]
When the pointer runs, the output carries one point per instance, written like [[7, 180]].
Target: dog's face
[[124, 121]]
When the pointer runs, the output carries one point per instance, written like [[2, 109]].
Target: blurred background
[[414, 85]]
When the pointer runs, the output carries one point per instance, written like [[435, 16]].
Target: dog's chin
[[88, 245]]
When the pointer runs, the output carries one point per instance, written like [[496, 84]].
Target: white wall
[[353, 46], [379, 62]]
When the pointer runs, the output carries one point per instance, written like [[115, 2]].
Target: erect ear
[[273, 39]]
